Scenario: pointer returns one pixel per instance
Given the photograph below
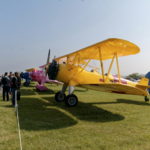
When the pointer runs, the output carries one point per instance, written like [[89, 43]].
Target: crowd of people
[[10, 84]]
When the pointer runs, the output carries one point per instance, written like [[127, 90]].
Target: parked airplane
[[71, 70]]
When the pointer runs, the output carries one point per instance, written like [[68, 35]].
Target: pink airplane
[[41, 76]]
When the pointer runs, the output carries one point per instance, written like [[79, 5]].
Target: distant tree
[[134, 76]]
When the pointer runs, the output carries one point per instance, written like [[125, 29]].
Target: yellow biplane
[[70, 69]]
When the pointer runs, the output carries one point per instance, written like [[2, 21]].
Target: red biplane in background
[[40, 76]]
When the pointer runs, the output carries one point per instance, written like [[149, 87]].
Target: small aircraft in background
[[148, 76], [39, 76], [71, 70], [26, 77]]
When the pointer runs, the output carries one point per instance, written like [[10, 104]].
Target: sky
[[28, 28]]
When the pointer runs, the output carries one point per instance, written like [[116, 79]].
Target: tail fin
[[143, 83]]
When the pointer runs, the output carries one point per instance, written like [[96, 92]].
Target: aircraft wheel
[[71, 100], [146, 99], [60, 97]]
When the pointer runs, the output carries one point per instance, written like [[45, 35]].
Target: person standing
[[6, 86], [0, 83], [15, 87], [10, 78], [19, 85], [10, 75]]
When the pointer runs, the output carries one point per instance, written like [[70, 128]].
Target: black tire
[[60, 97], [146, 99], [71, 100]]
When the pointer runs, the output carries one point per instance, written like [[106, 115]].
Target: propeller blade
[[48, 57], [47, 62]]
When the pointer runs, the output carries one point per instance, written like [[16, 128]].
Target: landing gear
[[60, 97], [71, 100], [146, 99]]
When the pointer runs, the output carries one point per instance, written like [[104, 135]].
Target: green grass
[[101, 121]]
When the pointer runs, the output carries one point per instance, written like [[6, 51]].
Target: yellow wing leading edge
[[107, 48]]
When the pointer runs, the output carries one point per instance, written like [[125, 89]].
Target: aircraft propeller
[[47, 62]]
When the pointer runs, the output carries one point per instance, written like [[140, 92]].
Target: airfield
[[101, 121]]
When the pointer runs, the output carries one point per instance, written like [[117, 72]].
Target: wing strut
[[85, 65], [78, 72], [118, 69], [112, 61], [101, 63]]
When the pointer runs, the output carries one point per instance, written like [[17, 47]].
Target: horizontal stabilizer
[[143, 83]]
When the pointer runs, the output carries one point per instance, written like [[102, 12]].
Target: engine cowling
[[53, 69]]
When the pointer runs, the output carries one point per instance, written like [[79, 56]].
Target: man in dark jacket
[[6, 86], [15, 87]]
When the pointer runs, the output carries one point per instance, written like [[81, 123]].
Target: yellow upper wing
[[107, 47]]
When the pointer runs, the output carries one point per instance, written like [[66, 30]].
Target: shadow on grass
[[8, 106], [126, 101], [48, 92], [27, 91], [32, 84], [88, 112], [37, 115], [81, 90], [132, 102]]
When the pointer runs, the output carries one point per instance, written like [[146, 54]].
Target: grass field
[[101, 121]]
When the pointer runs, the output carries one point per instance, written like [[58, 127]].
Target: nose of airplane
[[53, 69]]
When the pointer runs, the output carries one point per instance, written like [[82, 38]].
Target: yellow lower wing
[[117, 88]]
